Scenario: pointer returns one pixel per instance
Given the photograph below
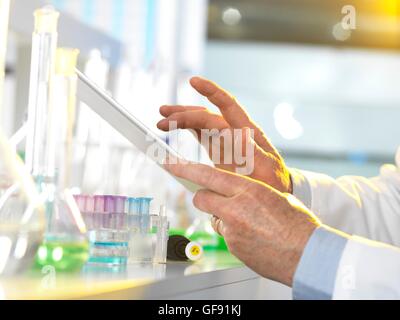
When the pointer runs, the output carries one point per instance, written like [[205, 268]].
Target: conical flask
[[22, 221]]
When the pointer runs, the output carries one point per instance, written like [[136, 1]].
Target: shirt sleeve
[[368, 270], [366, 207], [316, 273], [301, 187]]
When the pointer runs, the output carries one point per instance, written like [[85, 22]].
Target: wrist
[[304, 234], [316, 273]]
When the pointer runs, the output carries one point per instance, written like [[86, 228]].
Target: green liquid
[[63, 256]]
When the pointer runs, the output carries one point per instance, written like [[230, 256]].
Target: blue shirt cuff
[[316, 273]]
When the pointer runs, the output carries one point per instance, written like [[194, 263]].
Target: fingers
[[210, 202], [166, 111], [219, 181], [231, 110], [195, 119]]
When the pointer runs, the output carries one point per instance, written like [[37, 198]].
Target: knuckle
[[205, 119], [256, 190], [233, 214], [222, 94], [179, 119], [208, 176], [173, 118], [238, 223], [199, 199]]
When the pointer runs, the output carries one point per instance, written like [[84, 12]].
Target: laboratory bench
[[217, 275]]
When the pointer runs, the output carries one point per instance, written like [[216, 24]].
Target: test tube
[[133, 206], [144, 211], [40, 145], [133, 218], [160, 252], [115, 212], [98, 212], [121, 213], [4, 15], [109, 238], [109, 212], [140, 244], [65, 88], [144, 205]]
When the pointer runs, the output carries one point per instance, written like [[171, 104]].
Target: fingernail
[[195, 80]]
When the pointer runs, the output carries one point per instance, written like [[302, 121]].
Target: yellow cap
[[194, 251], [46, 20], [66, 61]]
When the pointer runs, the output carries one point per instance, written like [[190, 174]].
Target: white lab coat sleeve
[[368, 270], [355, 205]]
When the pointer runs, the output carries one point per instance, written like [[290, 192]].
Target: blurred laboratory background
[[327, 97]]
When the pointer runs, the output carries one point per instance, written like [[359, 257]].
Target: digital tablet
[[125, 123]]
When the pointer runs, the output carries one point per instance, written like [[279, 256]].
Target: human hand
[[264, 228], [269, 166]]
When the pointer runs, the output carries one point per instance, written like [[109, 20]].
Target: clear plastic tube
[[145, 214], [40, 146], [4, 14], [65, 88], [162, 224]]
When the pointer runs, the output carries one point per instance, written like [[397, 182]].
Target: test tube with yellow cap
[[65, 89], [4, 14]]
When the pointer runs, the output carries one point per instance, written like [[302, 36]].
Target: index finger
[[231, 110], [229, 107], [222, 182]]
